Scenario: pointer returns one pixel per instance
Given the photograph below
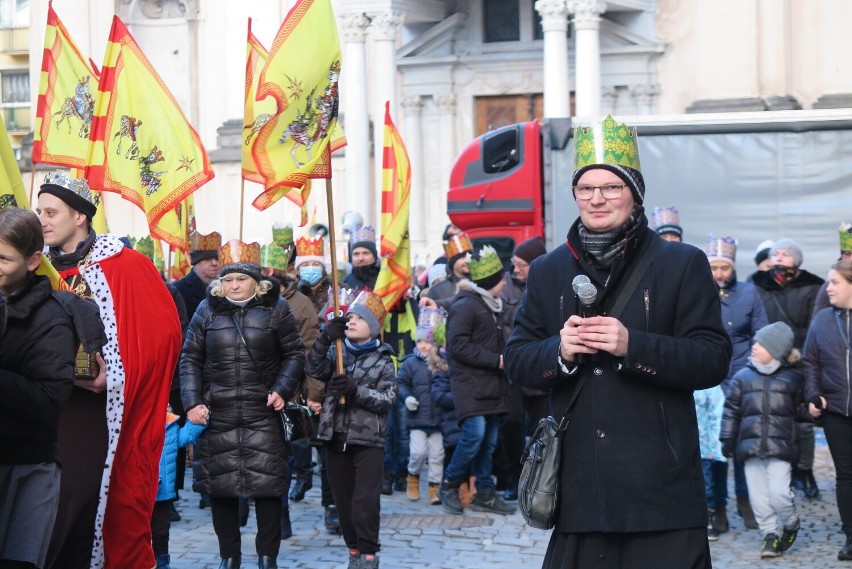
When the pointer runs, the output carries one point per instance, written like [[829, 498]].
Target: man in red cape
[[111, 436]]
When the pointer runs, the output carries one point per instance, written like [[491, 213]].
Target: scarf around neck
[[62, 261], [604, 247], [766, 369], [493, 304], [783, 275], [358, 349]]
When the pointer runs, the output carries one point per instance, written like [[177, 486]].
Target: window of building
[[14, 13], [502, 20], [15, 97]]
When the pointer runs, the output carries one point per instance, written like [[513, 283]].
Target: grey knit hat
[[791, 247], [777, 339]]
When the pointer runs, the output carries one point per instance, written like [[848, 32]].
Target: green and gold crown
[[607, 142], [439, 334], [486, 265], [845, 236], [274, 256], [145, 246], [282, 235]]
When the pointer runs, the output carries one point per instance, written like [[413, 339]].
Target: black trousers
[[226, 523], [160, 526], [355, 476], [838, 434], [302, 468], [327, 498]]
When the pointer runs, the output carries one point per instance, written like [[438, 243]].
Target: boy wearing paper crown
[[635, 489], [414, 381], [353, 420]]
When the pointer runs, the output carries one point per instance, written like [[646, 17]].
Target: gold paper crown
[[845, 237], [457, 245], [606, 142], [79, 186], [363, 233], [488, 264], [200, 242], [373, 302], [274, 256], [282, 235], [235, 251], [431, 317], [345, 295], [306, 247], [721, 248], [666, 216]]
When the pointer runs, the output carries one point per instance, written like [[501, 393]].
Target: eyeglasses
[[608, 191], [520, 264]]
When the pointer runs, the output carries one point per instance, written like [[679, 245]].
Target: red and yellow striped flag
[[142, 145], [301, 75], [181, 223], [255, 113], [66, 100], [395, 274]]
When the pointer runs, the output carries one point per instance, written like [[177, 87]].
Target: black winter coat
[[761, 412], [193, 290], [792, 304], [474, 344], [415, 380], [242, 452], [443, 396], [37, 353], [826, 361], [630, 457]]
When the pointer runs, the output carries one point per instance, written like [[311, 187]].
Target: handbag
[[538, 485]]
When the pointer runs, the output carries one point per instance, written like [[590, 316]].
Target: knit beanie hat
[[531, 249], [203, 246], [777, 339], [762, 251], [249, 269], [370, 307], [791, 247], [435, 272]]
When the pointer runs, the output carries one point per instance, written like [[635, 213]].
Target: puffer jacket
[[743, 314], [443, 396], [363, 418], [177, 437], [827, 361], [415, 380], [792, 304], [242, 452], [761, 413]]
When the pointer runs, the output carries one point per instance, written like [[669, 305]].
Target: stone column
[[447, 123], [645, 97], [356, 114], [554, 22], [412, 135], [587, 21], [384, 29]]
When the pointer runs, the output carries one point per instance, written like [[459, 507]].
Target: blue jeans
[[715, 482], [474, 451], [397, 441]]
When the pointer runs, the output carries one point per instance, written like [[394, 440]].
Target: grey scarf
[[606, 246], [494, 304]]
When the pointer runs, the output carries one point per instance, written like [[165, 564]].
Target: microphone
[[579, 280], [587, 293]]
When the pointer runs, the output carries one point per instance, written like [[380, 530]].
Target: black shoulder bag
[[296, 423], [538, 487]]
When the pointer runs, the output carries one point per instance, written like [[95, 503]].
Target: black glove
[[340, 384], [336, 328], [817, 401], [728, 448], [305, 288]]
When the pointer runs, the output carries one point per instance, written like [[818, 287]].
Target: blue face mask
[[311, 274]]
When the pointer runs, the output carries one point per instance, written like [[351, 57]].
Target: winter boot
[[488, 501], [712, 534], [400, 484], [413, 487], [266, 562], [450, 496], [163, 561], [788, 536], [745, 512], [354, 559], [286, 526], [797, 480], [771, 547], [811, 488], [230, 563], [369, 561], [331, 519], [174, 515], [720, 519], [434, 499], [845, 554], [387, 485]]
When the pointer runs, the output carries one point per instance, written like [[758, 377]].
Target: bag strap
[[623, 296], [784, 315], [243, 339]]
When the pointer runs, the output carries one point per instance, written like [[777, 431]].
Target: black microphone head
[[579, 280], [587, 293]]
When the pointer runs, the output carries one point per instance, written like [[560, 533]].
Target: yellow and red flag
[[300, 75], [395, 273], [66, 99], [142, 145], [179, 223], [255, 113]]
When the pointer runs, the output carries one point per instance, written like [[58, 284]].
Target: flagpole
[[335, 285], [242, 204], [32, 184]]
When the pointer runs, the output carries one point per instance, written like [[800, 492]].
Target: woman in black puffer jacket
[[241, 360]]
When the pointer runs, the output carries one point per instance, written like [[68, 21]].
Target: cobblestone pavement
[[416, 535]]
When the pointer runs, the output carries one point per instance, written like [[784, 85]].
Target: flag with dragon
[[255, 113], [142, 145]]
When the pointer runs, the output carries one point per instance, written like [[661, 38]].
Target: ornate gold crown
[[487, 264], [200, 242], [282, 235], [79, 186], [431, 317], [306, 247], [274, 256], [845, 237], [457, 245], [235, 251], [373, 302], [607, 142], [721, 248]]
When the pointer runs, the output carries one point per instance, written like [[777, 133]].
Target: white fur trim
[[306, 258]]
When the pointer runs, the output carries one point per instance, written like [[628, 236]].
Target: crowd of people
[[436, 395]]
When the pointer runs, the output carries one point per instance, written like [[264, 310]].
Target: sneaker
[[845, 554], [788, 536], [811, 488], [489, 501], [369, 561], [354, 559], [174, 515], [434, 499], [413, 487], [450, 499], [331, 519], [771, 547]]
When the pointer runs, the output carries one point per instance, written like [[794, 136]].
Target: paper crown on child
[[274, 256], [369, 306], [345, 297], [667, 220], [308, 249], [282, 235], [721, 249], [428, 320], [439, 335], [73, 191], [363, 233], [235, 251], [845, 236], [486, 268], [457, 245]]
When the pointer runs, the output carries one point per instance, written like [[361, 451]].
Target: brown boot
[[434, 499], [745, 512], [720, 519], [413, 487]]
